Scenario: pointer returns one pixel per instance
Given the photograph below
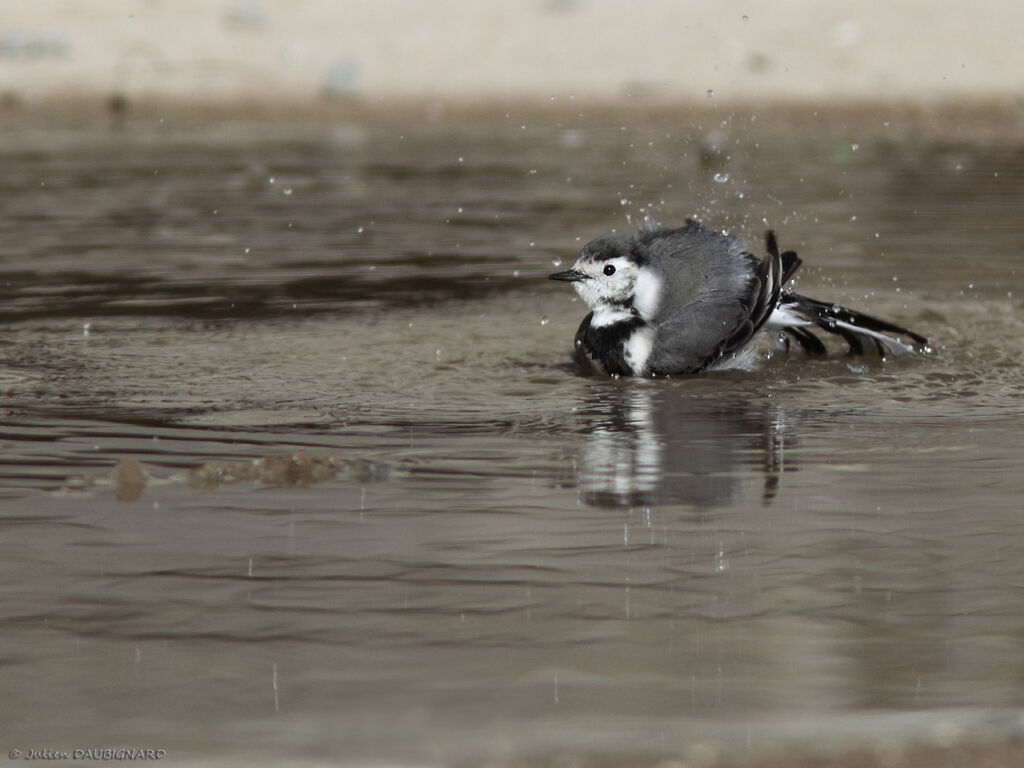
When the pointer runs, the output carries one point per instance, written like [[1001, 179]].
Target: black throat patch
[[607, 344]]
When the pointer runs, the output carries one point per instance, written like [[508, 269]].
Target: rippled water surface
[[295, 464]]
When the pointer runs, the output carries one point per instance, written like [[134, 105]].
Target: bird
[[685, 300]]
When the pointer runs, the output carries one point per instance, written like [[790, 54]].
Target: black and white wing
[[723, 315]]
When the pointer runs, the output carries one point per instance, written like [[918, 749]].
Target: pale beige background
[[288, 50]]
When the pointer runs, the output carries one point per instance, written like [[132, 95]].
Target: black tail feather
[[856, 345], [789, 260], [808, 342], [854, 327], [790, 264], [827, 313], [764, 293]]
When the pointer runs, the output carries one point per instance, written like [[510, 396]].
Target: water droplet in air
[[721, 178], [709, 93], [288, 191], [544, 321], [557, 261]]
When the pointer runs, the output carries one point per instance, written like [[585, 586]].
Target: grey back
[[708, 279]]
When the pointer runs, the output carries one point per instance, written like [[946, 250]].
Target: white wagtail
[[686, 300]]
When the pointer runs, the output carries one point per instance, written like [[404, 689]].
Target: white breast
[[637, 349], [605, 315]]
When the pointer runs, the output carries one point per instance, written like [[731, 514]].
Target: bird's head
[[611, 271]]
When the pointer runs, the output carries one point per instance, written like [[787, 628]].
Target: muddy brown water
[[453, 548]]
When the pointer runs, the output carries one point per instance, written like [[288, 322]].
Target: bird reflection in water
[[646, 446]]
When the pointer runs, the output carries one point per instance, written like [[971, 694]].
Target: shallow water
[[511, 560]]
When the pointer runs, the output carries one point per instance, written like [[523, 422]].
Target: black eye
[[609, 269]]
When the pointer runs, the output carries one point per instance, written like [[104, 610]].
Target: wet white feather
[[637, 349], [608, 314], [647, 291], [781, 318]]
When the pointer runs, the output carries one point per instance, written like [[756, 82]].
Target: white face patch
[[601, 288]]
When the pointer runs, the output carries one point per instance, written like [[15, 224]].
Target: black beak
[[569, 276]]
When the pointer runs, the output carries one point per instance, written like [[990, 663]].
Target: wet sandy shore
[[268, 50]]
